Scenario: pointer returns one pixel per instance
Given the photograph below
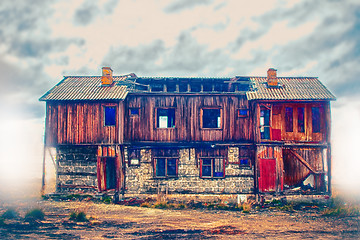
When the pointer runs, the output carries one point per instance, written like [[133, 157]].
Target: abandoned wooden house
[[240, 135]]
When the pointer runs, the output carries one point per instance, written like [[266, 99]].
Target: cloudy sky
[[42, 41]]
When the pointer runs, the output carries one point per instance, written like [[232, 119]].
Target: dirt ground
[[109, 221]]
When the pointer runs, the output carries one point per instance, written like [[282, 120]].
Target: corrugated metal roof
[[87, 88], [290, 88]]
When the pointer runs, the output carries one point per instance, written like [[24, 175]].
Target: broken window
[[211, 118], [109, 116], [315, 113], [212, 167], [265, 123], [165, 118], [289, 121], [301, 120]]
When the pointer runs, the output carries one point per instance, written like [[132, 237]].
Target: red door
[[267, 178]]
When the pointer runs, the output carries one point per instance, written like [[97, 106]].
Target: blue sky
[[45, 40]]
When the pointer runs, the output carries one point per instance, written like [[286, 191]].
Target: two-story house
[[236, 135]]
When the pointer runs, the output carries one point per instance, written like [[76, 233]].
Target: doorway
[[267, 175]]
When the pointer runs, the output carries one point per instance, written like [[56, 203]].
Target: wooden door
[[267, 178]]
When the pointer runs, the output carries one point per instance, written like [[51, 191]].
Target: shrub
[[35, 214], [2, 222], [10, 214], [246, 207], [78, 217]]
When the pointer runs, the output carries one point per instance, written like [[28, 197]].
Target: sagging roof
[[87, 88], [289, 88], [255, 88]]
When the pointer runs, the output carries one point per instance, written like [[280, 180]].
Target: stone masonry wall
[[140, 179], [77, 169]]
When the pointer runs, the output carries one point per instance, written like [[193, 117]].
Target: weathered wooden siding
[[294, 171], [278, 121], [187, 118], [82, 123]]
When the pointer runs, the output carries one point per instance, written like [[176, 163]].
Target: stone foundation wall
[[140, 178], [77, 169]]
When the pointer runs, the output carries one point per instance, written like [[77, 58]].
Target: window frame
[[212, 165], [166, 175], [262, 108], [242, 115], [132, 114], [157, 122], [289, 119], [104, 107], [202, 118], [313, 120], [301, 120]]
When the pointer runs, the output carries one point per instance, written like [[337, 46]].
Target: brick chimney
[[107, 76], [272, 80]]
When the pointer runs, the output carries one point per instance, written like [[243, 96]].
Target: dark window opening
[[171, 87], [157, 88], [315, 119], [134, 111], [196, 87], [242, 87], [265, 123], [109, 116], [212, 168], [221, 87], [289, 121], [244, 162], [242, 112], [165, 118], [207, 87], [301, 120], [183, 87], [165, 167], [211, 118]]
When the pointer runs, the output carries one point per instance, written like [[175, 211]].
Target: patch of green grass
[[78, 217], [10, 214], [35, 214], [107, 199]]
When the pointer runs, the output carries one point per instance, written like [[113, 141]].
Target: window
[[109, 116], [134, 111], [171, 87], [157, 87], [165, 167], [315, 111], [195, 87], [207, 87], [212, 167], [244, 162], [301, 120], [289, 121], [265, 123], [211, 118], [183, 87], [165, 118], [242, 113]]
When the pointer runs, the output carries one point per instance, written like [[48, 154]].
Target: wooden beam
[[303, 161]]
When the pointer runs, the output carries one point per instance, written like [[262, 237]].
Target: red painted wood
[[267, 177]]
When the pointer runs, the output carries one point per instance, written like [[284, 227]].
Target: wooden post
[[43, 173]]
